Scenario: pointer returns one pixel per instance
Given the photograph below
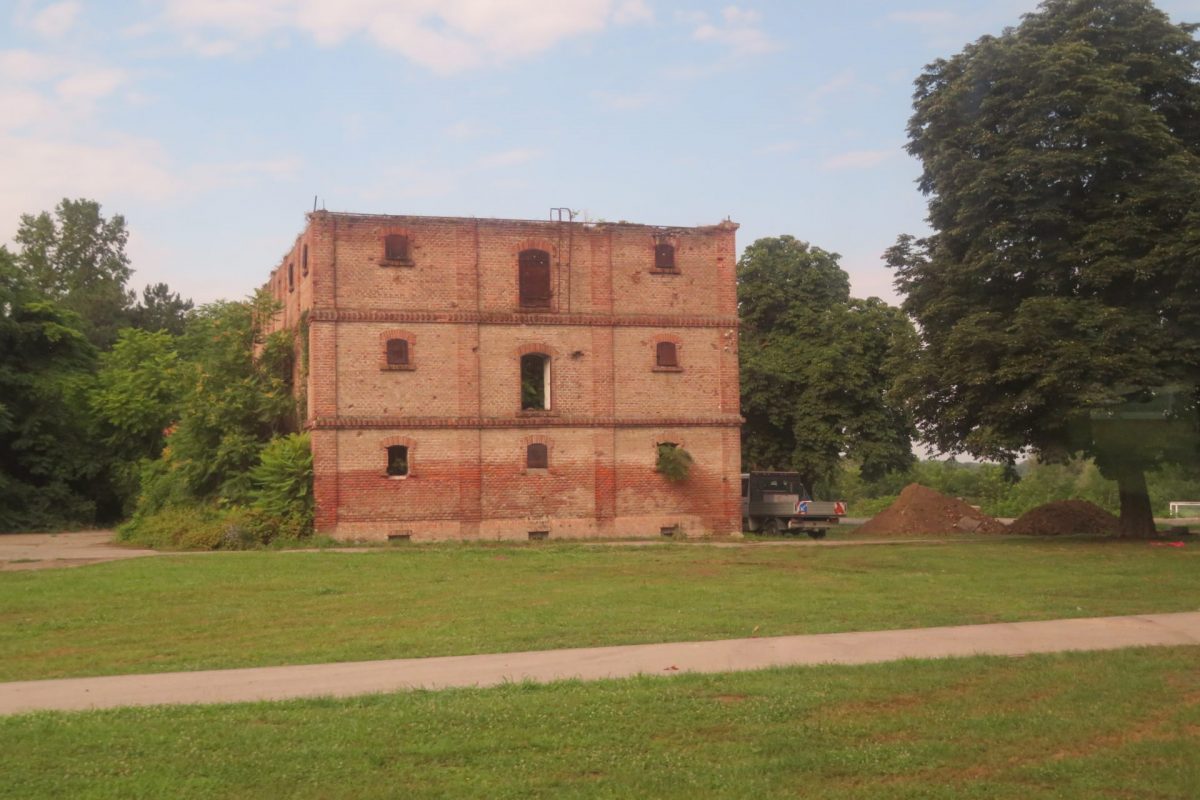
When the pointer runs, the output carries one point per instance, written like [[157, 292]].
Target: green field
[[1123, 724], [262, 608]]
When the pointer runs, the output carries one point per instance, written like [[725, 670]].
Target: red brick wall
[[458, 407]]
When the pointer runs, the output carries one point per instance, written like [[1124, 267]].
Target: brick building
[[483, 378]]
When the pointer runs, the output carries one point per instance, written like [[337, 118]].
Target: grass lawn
[[1123, 724], [253, 609]]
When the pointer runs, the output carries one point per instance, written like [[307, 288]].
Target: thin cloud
[[464, 130], [90, 85], [927, 17], [838, 84], [738, 29], [444, 36], [25, 66], [56, 19], [844, 84], [623, 102], [779, 148], [508, 158], [632, 12], [39, 172], [857, 159]]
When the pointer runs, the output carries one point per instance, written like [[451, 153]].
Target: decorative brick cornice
[[524, 318], [344, 423]]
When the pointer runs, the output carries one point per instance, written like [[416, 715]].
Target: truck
[[778, 503]]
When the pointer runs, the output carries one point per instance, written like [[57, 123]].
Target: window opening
[[535, 382], [664, 256], [673, 462], [291, 277], [397, 461], [538, 536], [395, 247], [397, 352], [665, 354], [537, 456], [534, 278], [304, 260]]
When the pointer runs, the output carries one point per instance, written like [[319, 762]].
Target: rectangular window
[[395, 247], [534, 278], [397, 352], [397, 461], [666, 355], [537, 456], [664, 256]]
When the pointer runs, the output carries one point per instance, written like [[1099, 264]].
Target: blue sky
[[211, 124]]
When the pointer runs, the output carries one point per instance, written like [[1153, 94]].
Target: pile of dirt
[[920, 509], [1064, 517]]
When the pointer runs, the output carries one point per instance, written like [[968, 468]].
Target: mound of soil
[[1064, 517], [920, 509]]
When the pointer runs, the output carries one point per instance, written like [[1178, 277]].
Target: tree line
[[115, 407]]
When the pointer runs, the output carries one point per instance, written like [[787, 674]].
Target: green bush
[[282, 484], [209, 528], [175, 528], [674, 462]]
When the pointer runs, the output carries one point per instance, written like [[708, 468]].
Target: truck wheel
[[770, 526], [817, 533]]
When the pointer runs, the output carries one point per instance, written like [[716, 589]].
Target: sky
[[211, 125]]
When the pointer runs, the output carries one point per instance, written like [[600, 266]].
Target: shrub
[[209, 528], [282, 484], [175, 528], [674, 462]]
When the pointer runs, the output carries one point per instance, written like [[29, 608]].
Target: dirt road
[[20, 551]]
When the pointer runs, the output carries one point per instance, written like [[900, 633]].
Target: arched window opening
[[534, 278], [304, 260], [291, 277], [535, 382], [397, 461], [397, 352], [664, 256], [395, 247], [665, 354], [537, 456]]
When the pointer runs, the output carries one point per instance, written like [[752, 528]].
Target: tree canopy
[[77, 257], [1060, 288], [48, 460], [817, 366]]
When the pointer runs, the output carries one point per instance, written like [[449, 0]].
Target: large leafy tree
[[1058, 297], [817, 366], [76, 256], [236, 396], [49, 463]]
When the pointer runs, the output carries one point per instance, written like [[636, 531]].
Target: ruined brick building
[[485, 378]]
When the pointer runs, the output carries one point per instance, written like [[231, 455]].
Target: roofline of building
[[724, 225]]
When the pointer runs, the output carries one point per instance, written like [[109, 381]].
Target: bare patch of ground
[[27, 551]]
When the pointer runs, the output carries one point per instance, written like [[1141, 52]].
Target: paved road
[[365, 677]]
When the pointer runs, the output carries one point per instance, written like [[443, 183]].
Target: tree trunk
[[1137, 518]]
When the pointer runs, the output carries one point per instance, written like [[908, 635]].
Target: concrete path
[[364, 677]]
